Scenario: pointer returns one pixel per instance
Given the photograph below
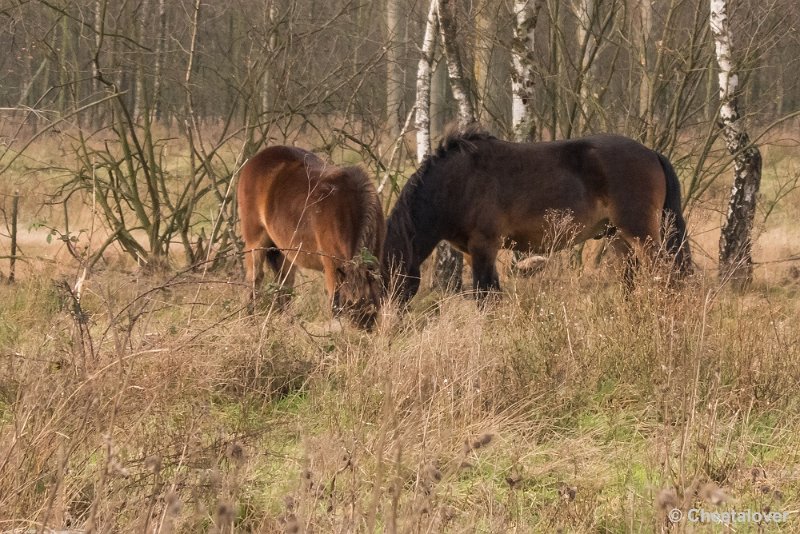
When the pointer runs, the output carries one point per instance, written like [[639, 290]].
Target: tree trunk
[[158, 99], [522, 62], [450, 262], [140, 103], [271, 16], [585, 11], [483, 45], [735, 245], [556, 89], [438, 99], [99, 34], [424, 71], [455, 67], [394, 71], [642, 26]]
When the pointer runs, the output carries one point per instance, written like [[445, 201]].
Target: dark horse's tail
[[677, 239]]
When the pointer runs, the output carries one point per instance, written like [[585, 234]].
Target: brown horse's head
[[358, 290]]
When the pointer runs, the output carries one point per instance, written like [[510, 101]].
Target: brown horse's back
[[286, 194], [297, 210]]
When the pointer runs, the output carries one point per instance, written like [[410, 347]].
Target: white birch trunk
[[735, 260], [99, 23], [526, 13], [424, 71]]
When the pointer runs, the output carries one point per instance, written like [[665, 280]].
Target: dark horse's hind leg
[[626, 254]]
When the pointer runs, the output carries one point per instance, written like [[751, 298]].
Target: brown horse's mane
[[400, 225], [369, 236]]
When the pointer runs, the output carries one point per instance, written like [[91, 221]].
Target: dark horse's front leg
[[485, 279]]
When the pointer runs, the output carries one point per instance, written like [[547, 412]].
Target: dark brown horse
[[482, 194], [296, 210]]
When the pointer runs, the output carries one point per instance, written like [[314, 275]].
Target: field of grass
[[158, 405]]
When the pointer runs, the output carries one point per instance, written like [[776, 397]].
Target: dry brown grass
[[157, 405], [564, 405]]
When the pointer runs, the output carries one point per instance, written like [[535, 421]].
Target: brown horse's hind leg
[[261, 251], [284, 274], [254, 256]]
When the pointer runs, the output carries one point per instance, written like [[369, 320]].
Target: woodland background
[[136, 395]]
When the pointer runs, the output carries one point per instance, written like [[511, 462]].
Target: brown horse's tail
[[677, 238]]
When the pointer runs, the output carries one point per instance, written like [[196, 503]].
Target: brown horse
[[481, 194], [296, 210]]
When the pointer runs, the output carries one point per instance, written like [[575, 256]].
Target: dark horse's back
[[480, 193], [510, 189]]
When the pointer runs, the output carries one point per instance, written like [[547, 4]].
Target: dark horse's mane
[[399, 226], [455, 140]]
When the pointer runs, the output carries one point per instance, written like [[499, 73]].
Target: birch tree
[[140, 103], [735, 247], [158, 101], [450, 262], [526, 13], [424, 72]]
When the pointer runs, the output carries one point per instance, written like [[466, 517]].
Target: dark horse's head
[[400, 267], [415, 225]]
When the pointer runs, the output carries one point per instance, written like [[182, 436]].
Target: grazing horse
[[296, 210], [482, 194]]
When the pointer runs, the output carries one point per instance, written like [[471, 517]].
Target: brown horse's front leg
[[329, 271], [254, 272]]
